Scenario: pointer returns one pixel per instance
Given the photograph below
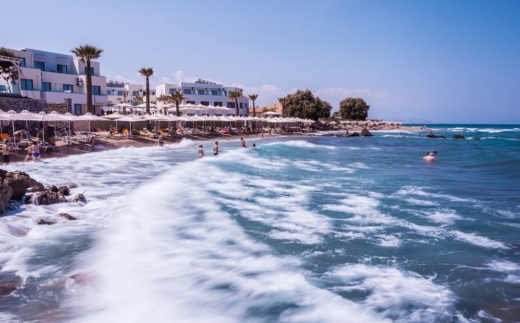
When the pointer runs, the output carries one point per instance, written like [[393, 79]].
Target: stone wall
[[61, 108], [18, 105]]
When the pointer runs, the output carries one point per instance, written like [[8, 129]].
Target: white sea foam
[[395, 293], [443, 216], [420, 202], [503, 266], [386, 240], [478, 240], [301, 144]]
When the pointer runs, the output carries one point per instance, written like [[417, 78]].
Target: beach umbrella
[[90, 117], [131, 118]]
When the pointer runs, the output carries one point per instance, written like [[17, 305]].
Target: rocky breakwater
[[19, 186]]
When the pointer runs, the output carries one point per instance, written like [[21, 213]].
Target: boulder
[[47, 198], [80, 198], [435, 136], [353, 134], [19, 182], [53, 188], [5, 195], [7, 288], [366, 133], [45, 222], [67, 216], [458, 137], [64, 190]]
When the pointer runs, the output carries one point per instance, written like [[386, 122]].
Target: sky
[[425, 61]]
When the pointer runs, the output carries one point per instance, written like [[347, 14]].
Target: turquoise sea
[[300, 229]]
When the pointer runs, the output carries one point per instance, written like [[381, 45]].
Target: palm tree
[[176, 98], [234, 95], [125, 95], [147, 72], [282, 103], [253, 97], [85, 53]]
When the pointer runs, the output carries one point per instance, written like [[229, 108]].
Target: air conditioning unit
[[80, 81]]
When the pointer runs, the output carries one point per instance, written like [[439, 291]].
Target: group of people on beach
[[33, 151], [215, 148]]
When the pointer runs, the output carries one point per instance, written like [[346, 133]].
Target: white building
[[206, 93], [55, 77], [135, 93]]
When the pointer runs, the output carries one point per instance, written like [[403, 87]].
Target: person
[[33, 151], [51, 140], [254, 146], [429, 156], [430, 132], [201, 151], [5, 152], [93, 142], [215, 148], [149, 126], [242, 143], [161, 140]]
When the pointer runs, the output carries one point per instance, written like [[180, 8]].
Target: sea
[[298, 229]]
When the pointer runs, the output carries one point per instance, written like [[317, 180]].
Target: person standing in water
[[5, 152], [215, 148], [161, 140], [429, 156], [201, 151], [242, 143]]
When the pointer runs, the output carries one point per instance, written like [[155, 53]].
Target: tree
[[235, 95], [282, 103], [86, 53], [147, 72], [353, 109], [138, 99], [253, 98], [125, 95], [8, 70], [303, 104], [176, 98]]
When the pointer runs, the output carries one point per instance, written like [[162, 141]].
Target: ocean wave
[[301, 144]]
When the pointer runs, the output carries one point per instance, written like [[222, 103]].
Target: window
[[190, 102], [61, 69], [200, 92], [46, 86], [225, 93], [134, 104], [91, 71], [206, 103], [135, 93], [119, 92], [68, 88], [77, 109], [39, 65], [172, 91], [22, 62], [187, 91], [96, 90], [213, 92], [27, 85], [218, 104]]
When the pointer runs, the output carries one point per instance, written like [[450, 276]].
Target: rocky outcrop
[[5, 195], [19, 182], [45, 222], [435, 136], [458, 137], [7, 288], [64, 190], [67, 216], [47, 198], [80, 198], [366, 133]]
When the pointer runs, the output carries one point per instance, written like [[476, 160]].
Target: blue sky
[[441, 61]]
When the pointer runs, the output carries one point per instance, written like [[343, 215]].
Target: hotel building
[[116, 90], [57, 77], [206, 93]]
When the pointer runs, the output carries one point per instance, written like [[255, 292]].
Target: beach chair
[[65, 138]]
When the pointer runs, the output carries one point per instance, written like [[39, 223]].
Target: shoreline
[[78, 148]]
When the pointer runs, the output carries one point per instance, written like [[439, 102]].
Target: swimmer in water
[[215, 149], [201, 151], [430, 156]]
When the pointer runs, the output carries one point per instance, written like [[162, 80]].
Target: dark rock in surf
[[19, 182], [67, 216], [53, 188], [353, 134], [80, 198], [458, 137], [5, 195], [7, 288], [64, 190], [45, 222], [435, 136], [366, 133], [47, 198]]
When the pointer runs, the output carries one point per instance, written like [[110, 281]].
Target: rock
[[47, 198], [19, 182], [53, 188], [7, 288], [72, 185], [5, 195], [436, 136], [37, 188], [64, 190], [45, 222], [458, 137], [80, 198], [67, 216], [3, 174], [366, 133], [353, 134], [28, 199]]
